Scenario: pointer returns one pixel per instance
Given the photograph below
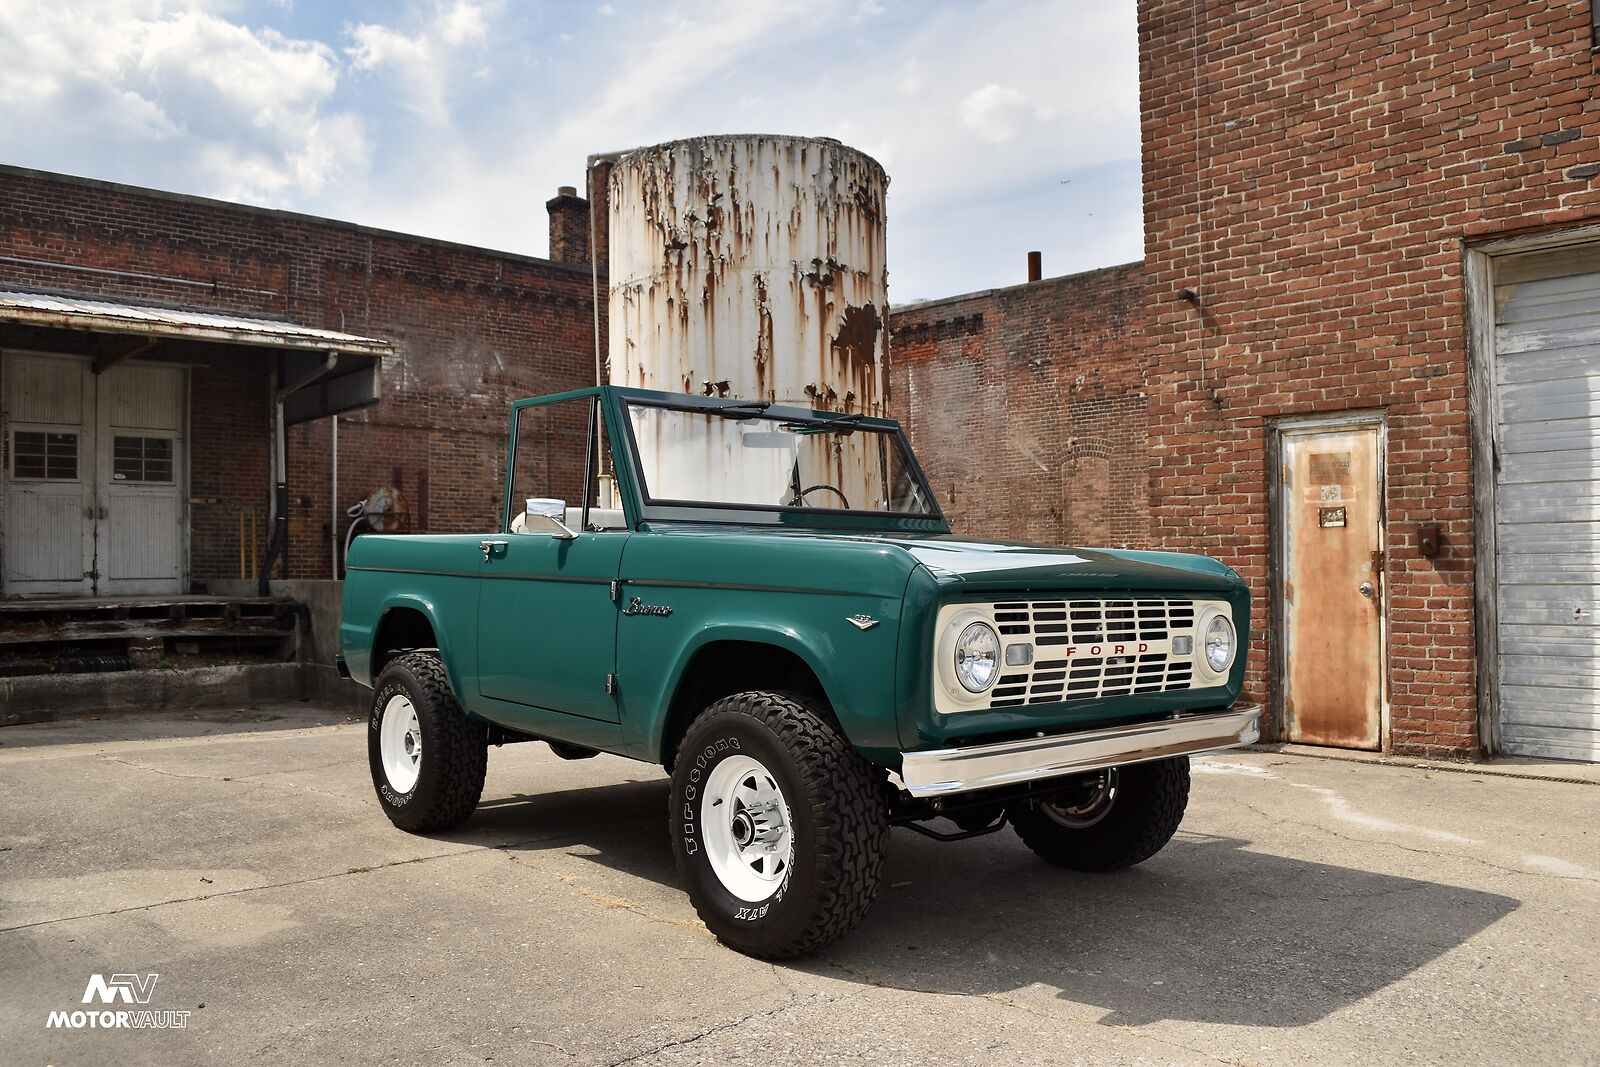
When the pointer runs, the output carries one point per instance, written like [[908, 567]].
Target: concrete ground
[[1309, 911]]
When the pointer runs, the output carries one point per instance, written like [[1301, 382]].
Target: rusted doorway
[[1330, 590]]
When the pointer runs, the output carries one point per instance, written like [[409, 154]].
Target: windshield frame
[[665, 509]]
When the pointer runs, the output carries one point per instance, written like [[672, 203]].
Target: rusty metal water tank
[[750, 267]]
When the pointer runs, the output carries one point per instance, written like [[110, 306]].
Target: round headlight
[[977, 657], [1219, 644]]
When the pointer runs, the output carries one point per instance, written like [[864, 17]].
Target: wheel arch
[[728, 662], [410, 623]]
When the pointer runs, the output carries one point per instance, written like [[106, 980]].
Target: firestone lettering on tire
[[690, 792]]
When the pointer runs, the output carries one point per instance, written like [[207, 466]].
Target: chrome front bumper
[[962, 770]]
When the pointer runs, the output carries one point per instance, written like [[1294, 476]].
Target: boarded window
[[36, 454], [142, 459]]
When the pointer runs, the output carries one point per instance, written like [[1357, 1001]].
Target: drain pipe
[[279, 542], [607, 159], [333, 498]]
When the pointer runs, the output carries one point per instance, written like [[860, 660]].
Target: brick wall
[[1026, 407], [472, 330], [1313, 171]]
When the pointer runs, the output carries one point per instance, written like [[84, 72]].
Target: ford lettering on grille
[[1084, 649]]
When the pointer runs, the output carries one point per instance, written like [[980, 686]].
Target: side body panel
[[547, 625]]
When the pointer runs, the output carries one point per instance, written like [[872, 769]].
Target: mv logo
[[128, 988]]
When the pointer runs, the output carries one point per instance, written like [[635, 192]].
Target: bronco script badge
[[639, 607]]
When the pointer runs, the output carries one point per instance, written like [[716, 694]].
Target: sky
[[1005, 126]]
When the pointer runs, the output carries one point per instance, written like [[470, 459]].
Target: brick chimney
[[600, 195], [569, 226]]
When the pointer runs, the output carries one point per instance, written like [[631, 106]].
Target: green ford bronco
[[767, 602]]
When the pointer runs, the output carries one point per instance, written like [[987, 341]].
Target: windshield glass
[[741, 457]]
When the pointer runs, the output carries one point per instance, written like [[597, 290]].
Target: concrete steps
[[80, 635]]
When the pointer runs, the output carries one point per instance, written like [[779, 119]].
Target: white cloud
[[715, 66], [997, 114], [911, 78], [977, 110], [605, 10], [421, 60], [462, 23], [680, 54], [240, 112]]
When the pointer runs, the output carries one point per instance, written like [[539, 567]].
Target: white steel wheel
[[400, 744], [746, 828]]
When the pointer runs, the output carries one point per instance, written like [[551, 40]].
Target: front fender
[[854, 667]]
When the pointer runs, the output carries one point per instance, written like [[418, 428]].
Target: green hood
[[979, 565], [957, 564]]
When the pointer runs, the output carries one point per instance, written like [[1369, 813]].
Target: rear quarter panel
[[435, 574]]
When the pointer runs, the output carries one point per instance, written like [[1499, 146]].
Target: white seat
[[603, 518]]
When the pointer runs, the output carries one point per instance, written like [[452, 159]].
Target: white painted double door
[[93, 476]]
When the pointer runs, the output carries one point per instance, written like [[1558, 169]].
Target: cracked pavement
[[1309, 911]]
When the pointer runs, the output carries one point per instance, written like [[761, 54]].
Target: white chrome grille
[[1089, 648]]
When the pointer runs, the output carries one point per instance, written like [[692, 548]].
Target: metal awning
[[73, 312], [325, 372]]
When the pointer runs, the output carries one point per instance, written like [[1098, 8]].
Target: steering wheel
[[800, 497]]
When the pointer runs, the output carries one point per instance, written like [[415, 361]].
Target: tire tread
[[454, 741], [847, 807], [1149, 807]]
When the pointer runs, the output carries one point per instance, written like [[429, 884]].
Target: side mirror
[[545, 515]]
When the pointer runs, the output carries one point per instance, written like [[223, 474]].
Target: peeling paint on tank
[[753, 261]]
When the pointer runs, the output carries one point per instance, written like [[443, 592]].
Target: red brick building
[[1370, 313], [1384, 214], [145, 335], [1027, 407]]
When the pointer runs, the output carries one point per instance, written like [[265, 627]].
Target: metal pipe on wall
[[278, 546], [280, 496], [333, 500]]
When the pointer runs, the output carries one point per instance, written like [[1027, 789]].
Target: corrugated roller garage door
[[1547, 501]]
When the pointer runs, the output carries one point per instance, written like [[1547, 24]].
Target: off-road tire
[[455, 749], [1149, 805], [839, 824]]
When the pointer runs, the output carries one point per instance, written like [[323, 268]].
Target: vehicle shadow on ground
[[1207, 931]]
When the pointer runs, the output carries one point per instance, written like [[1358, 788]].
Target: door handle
[[1367, 589], [489, 547]]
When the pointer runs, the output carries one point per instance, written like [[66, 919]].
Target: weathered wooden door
[[139, 466], [47, 411], [1332, 596], [92, 477]]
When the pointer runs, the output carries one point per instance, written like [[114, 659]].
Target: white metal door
[[47, 419], [139, 460], [1547, 501]]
